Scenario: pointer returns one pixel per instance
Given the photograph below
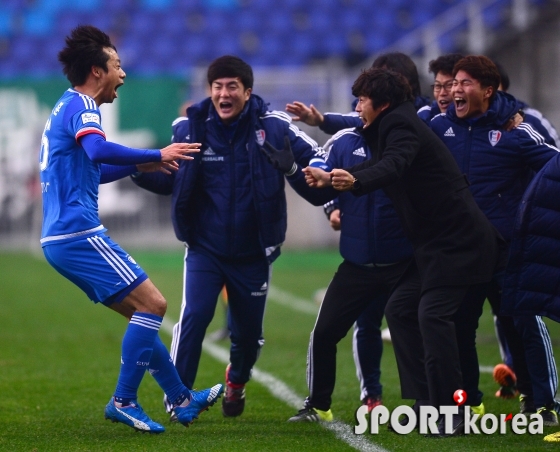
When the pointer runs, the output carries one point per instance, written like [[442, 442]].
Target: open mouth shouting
[[460, 105]]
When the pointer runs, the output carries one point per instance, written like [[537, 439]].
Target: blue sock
[[137, 347], [165, 373]]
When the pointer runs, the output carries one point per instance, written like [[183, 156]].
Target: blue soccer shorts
[[98, 266]]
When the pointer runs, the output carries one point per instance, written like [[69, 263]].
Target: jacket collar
[[501, 109]]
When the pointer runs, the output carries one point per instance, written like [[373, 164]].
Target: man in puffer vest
[[229, 207]]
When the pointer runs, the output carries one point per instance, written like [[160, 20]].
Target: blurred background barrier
[[309, 51]]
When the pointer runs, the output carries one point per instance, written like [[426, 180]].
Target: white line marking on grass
[[283, 392], [291, 301]]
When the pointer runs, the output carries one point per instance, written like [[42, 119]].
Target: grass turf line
[[60, 359]]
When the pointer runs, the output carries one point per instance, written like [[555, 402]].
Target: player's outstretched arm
[[309, 115]]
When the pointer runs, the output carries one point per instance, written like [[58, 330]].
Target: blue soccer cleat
[[132, 415], [200, 401]]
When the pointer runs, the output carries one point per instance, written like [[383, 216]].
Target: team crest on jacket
[[494, 136], [261, 136]]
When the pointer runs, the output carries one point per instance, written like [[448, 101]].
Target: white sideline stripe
[[302, 305], [291, 301], [283, 392]]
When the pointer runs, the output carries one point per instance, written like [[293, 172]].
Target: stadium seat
[[51, 5], [495, 15], [6, 22], [89, 5], [322, 21], [159, 5], [38, 22], [223, 4]]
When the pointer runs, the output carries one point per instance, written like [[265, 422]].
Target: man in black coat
[[456, 248]]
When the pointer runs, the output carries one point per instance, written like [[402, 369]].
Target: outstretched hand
[[178, 151], [152, 167], [281, 159], [309, 115], [316, 177], [342, 180]]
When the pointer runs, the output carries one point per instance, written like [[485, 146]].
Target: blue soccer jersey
[[69, 179]]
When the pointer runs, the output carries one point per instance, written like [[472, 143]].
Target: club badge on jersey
[[494, 136], [261, 137]]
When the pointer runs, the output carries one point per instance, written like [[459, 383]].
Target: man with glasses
[[442, 68]]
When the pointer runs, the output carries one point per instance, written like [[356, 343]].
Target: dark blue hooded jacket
[[531, 116], [498, 164], [371, 231], [532, 279], [230, 200]]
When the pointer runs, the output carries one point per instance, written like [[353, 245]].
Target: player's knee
[[158, 306]]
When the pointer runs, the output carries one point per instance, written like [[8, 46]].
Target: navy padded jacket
[[498, 164]]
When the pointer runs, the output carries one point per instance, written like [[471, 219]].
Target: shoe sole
[[115, 421], [504, 376]]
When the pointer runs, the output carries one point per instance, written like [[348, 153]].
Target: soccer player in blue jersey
[[75, 158]]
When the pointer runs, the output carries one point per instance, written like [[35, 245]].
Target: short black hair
[[85, 47], [504, 77], [482, 69], [230, 66], [444, 63], [382, 86], [403, 64]]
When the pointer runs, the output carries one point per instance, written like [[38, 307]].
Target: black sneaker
[[549, 416], [310, 414], [458, 424], [233, 402], [526, 404]]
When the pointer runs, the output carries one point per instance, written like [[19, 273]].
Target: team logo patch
[[130, 259], [494, 136], [91, 117], [261, 136]]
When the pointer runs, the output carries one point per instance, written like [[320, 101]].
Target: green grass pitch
[[60, 354]]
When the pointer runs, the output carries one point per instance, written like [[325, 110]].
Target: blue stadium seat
[[25, 50], [38, 22], [496, 14], [322, 20], [159, 5], [249, 20], [13, 5], [117, 6], [376, 41], [281, 22], [68, 20], [145, 23], [174, 23], [271, 50], [89, 5], [330, 43], [193, 48], [223, 4], [6, 23], [51, 5], [353, 19], [300, 48]]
